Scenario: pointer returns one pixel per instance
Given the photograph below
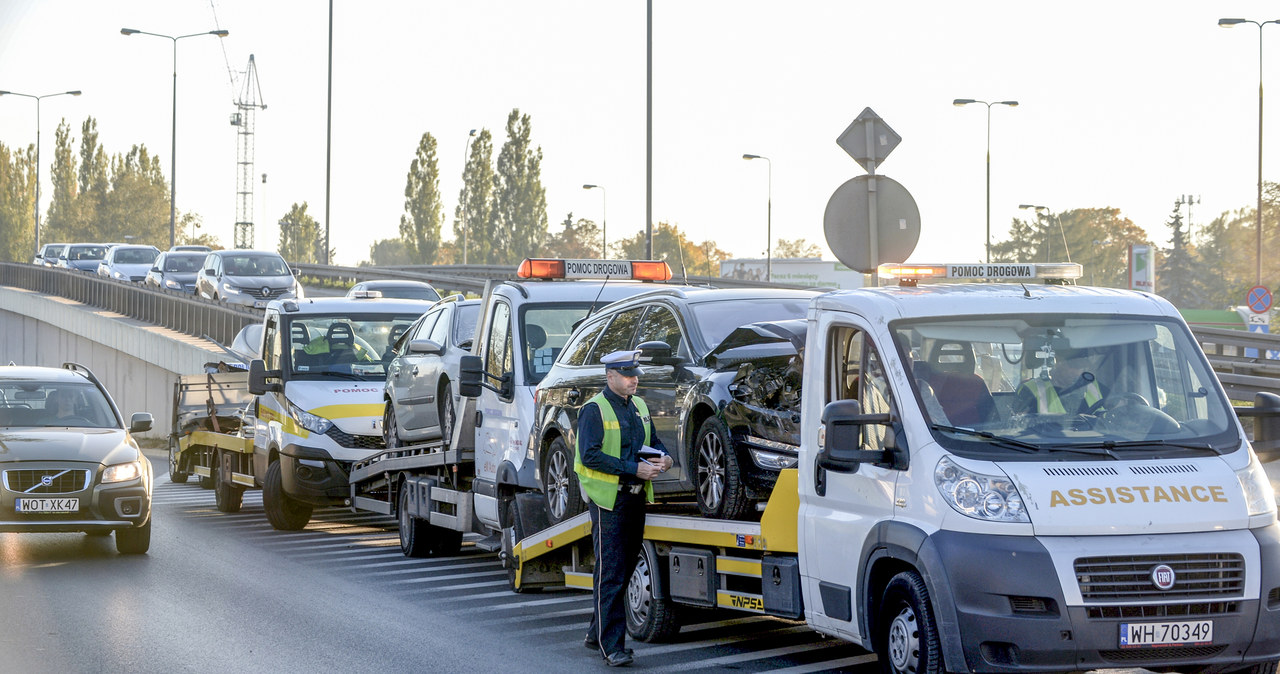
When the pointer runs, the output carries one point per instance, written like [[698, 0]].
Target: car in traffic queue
[[403, 289], [128, 262], [423, 370], [175, 270], [720, 374], [82, 256], [47, 256], [191, 248], [69, 463], [319, 386], [247, 277]]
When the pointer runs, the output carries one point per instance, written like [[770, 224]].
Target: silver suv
[[248, 277]]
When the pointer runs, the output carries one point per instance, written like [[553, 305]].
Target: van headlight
[[984, 497], [1258, 494], [122, 472], [309, 421]]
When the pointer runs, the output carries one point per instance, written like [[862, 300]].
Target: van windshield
[[1065, 382], [349, 346]]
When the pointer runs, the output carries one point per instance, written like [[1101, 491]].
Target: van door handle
[[573, 395]]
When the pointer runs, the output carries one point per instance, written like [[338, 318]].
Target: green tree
[[1096, 238], [94, 182], [520, 202], [388, 252], [424, 210], [473, 220], [1180, 277], [17, 195], [579, 240], [301, 241], [189, 226], [670, 244], [795, 248], [60, 222], [137, 204]]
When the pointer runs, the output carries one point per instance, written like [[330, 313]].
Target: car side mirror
[[658, 353], [840, 438], [1266, 425], [155, 269], [262, 380], [209, 271], [425, 347], [296, 271], [140, 422]]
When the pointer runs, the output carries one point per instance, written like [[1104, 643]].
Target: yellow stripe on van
[[349, 411]]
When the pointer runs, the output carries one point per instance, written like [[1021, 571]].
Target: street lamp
[[466, 152], [1045, 209], [768, 250], [1013, 104], [37, 99], [1227, 23], [173, 127], [604, 220]]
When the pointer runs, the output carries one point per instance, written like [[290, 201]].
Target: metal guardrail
[[1242, 376], [167, 308]]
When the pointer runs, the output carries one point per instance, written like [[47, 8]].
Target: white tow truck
[[469, 482], [940, 517]]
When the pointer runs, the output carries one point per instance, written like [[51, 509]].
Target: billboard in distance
[[810, 272]]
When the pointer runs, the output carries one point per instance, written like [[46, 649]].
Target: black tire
[[390, 435], [176, 476], [227, 496], [650, 618], [413, 531], [906, 636], [717, 482], [560, 483], [134, 541], [445, 409], [283, 511], [511, 534]]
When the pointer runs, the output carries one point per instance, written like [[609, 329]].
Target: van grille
[[355, 441], [31, 481], [1127, 578]]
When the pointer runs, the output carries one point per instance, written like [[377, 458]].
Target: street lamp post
[[37, 99], [466, 152], [768, 250], [1227, 23], [604, 220], [959, 102], [173, 125]]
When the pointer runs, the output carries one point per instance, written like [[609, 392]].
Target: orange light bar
[[914, 270], [540, 268], [650, 271]]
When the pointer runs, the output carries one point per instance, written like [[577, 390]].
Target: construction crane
[[247, 104]]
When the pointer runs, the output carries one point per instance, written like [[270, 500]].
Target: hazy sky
[[1121, 105]]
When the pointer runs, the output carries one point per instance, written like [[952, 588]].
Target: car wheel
[[390, 432], [175, 475], [227, 496], [413, 534], [447, 416], [649, 617], [906, 639], [283, 511], [134, 541], [717, 481], [560, 483]]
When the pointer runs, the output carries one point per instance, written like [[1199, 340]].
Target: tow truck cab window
[[857, 373], [498, 357], [271, 343]]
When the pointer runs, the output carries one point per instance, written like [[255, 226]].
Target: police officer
[[613, 429]]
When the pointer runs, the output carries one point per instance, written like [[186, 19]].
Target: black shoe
[[619, 659], [590, 642]]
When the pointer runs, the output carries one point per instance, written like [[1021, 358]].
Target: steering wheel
[[1135, 418], [1117, 402]]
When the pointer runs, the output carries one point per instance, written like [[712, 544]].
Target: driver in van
[[1070, 388]]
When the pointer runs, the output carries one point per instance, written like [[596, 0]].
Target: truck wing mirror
[[262, 380], [658, 353], [1266, 425], [471, 376], [841, 438]]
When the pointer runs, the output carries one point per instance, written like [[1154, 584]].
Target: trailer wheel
[[176, 476], [227, 496], [283, 512], [717, 481], [511, 534], [650, 617], [413, 531], [906, 640], [560, 483]]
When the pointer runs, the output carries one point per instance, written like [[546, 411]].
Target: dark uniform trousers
[[617, 535]]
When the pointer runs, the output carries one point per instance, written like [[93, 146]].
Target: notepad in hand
[[647, 452]]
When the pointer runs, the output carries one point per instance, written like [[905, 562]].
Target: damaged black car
[[720, 372]]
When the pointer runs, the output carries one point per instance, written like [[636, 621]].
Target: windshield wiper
[[998, 440], [1129, 444]]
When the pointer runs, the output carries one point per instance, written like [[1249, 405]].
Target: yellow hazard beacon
[[937, 518]]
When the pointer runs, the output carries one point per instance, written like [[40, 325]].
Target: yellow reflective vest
[[1046, 395], [602, 487]]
